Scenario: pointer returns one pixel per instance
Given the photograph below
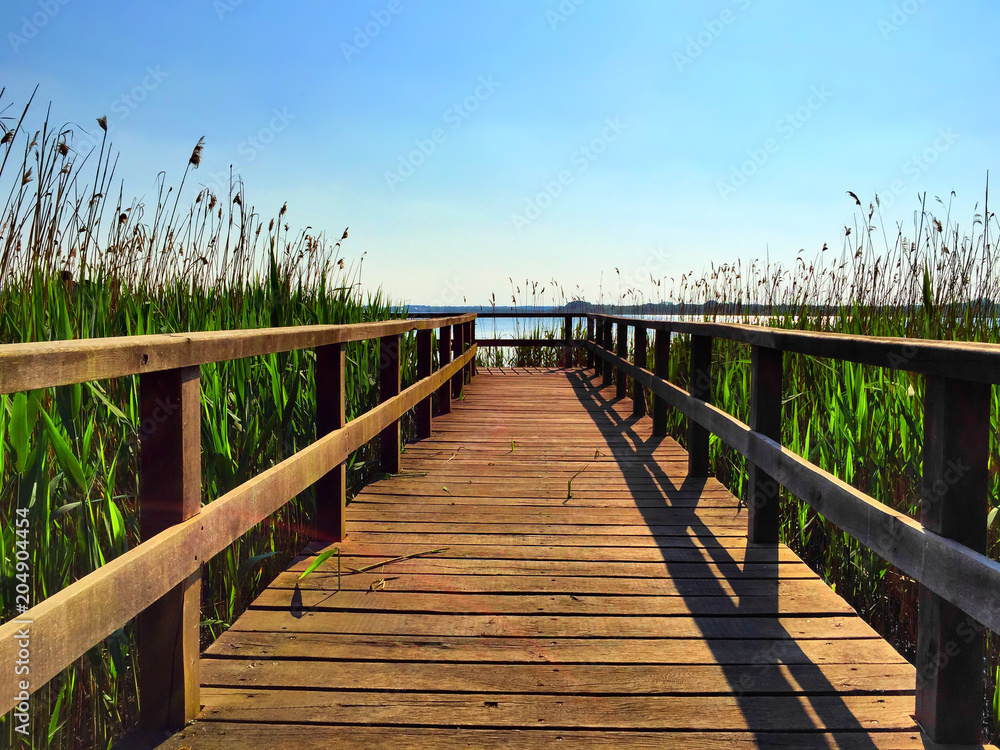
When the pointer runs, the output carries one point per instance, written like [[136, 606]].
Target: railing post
[[701, 388], [661, 368], [388, 369], [466, 345], [169, 492], [457, 347], [638, 398], [765, 418], [621, 382], [590, 337], [331, 399], [953, 504], [568, 337], [424, 357], [608, 371], [472, 342], [444, 358]]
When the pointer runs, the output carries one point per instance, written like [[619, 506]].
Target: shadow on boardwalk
[[630, 451]]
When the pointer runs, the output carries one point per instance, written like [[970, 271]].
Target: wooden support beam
[[331, 400], [661, 368], [621, 349], [953, 504], [590, 337], [568, 338], [466, 345], [388, 368], [444, 357], [638, 395], [607, 374], [765, 418], [700, 388], [169, 493], [472, 342], [425, 356], [457, 347]]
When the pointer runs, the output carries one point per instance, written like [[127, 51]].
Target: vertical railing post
[[621, 381], [424, 364], [388, 386], [661, 368], [457, 347], [607, 374], [568, 337], [590, 337], [331, 400], [472, 342], [953, 504], [444, 358], [639, 359], [765, 418], [466, 345], [701, 388], [169, 492]]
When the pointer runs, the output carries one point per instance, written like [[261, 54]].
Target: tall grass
[[76, 261]]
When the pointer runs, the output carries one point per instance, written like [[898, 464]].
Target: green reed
[[76, 262]]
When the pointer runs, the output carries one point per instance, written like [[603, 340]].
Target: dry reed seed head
[[62, 148], [7, 137], [122, 218], [237, 201], [26, 178], [270, 226], [283, 211], [103, 122], [195, 159]]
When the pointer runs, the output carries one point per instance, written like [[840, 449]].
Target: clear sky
[[466, 142]]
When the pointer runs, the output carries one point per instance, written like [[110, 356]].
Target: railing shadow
[[758, 574]]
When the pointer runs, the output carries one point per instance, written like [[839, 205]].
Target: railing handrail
[[68, 623], [963, 360], [45, 364]]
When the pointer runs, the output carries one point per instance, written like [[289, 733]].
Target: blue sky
[[465, 143]]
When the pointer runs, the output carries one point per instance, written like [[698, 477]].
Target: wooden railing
[[567, 343], [159, 581], [944, 552]]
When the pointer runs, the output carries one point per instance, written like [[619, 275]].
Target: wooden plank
[[705, 713], [576, 679], [511, 650], [390, 600], [169, 493], [331, 403], [226, 735], [554, 626]]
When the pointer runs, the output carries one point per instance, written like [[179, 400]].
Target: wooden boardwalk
[[573, 589]]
